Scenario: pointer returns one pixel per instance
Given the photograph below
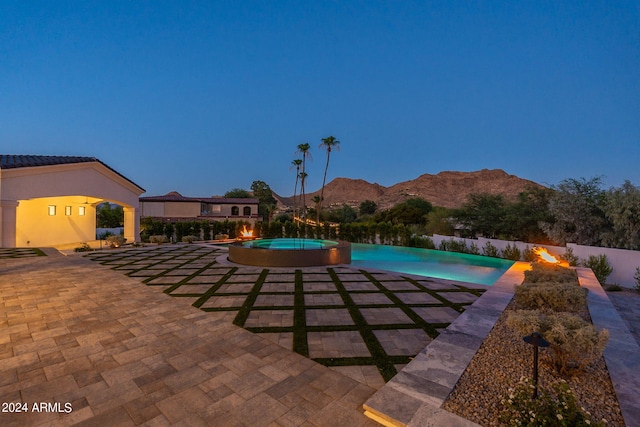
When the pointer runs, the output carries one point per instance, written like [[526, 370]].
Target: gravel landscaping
[[503, 359]]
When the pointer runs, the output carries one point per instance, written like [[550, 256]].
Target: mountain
[[449, 189]]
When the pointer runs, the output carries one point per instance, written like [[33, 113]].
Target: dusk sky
[[202, 97]]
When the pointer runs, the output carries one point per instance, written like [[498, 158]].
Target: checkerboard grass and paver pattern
[[20, 252], [367, 325]]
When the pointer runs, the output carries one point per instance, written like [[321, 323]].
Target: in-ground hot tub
[[290, 252]]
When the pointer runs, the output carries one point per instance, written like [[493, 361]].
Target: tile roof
[[174, 196], [12, 161]]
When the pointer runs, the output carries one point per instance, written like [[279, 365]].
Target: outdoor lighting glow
[[545, 255], [245, 232]]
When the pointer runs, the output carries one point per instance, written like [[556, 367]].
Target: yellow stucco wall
[[35, 227]]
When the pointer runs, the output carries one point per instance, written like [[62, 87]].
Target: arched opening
[[246, 211]]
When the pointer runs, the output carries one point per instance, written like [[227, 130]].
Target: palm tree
[[317, 201], [303, 149], [296, 163], [328, 143]]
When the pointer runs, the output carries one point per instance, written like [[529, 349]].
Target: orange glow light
[[246, 233], [544, 255]]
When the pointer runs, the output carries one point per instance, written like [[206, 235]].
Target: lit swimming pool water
[[288, 243], [426, 262]]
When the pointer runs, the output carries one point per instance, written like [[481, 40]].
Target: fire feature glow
[[545, 255], [246, 233]]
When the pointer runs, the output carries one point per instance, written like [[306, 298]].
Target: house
[[51, 200], [174, 207]]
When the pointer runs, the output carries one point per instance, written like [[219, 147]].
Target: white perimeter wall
[[624, 262]]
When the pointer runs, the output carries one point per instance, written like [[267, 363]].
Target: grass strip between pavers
[[379, 355], [300, 342], [214, 288], [245, 310]]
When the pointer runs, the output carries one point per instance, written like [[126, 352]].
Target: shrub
[[528, 255], [188, 239], [636, 277], [490, 250], [511, 252], [600, 266], [84, 247], [544, 272], [473, 249], [158, 239], [115, 241], [555, 407], [570, 257], [550, 296], [574, 342], [420, 242], [613, 288], [453, 245]]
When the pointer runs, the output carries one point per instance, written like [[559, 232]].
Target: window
[[235, 210], [67, 210], [246, 211], [81, 210], [52, 210]]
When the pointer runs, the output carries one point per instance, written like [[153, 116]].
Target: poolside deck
[[126, 354]]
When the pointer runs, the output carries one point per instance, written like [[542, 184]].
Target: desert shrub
[[570, 257], [188, 239], [511, 252], [636, 277], [556, 406], [544, 272], [84, 247], [474, 249], [600, 266], [453, 245], [115, 241], [420, 242], [550, 296], [490, 250], [613, 288], [574, 342], [528, 255], [158, 239]]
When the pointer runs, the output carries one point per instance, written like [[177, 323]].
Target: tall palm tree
[[303, 149], [328, 143], [296, 163]]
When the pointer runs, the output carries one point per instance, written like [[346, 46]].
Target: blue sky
[[202, 97]]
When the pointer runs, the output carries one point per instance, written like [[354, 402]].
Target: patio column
[[8, 223], [131, 224]]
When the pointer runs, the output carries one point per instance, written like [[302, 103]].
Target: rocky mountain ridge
[[448, 189]]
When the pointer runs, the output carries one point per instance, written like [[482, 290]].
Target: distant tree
[[524, 216], [411, 211], [439, 222], [347, 214], [237, 193], [303, 150], [297, 163], [317, 201], [577, 206], [109, 216], [329, 143], [622, 209], [368, 207], [266, 202], [482, 215]]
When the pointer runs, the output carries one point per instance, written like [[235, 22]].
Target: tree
[[296, 163], [108, 216], [438, 222], [482, 215], [524, 216], [266, 202], [328, 143], [368, 207], [622, 209], [577, 208], [237, 193], [317, 201], [303, 150], [411, 211]]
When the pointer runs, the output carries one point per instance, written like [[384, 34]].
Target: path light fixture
[[536, 340]]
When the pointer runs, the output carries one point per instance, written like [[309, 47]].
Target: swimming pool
[[426, 262]]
